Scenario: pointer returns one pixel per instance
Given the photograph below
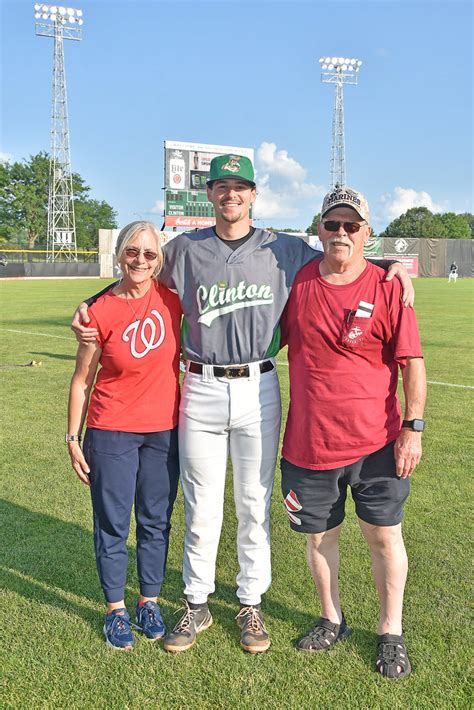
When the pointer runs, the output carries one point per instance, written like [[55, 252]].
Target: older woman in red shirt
[[130, 452]]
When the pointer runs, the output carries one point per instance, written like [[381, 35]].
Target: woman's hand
[[79, 325], [78, 462]]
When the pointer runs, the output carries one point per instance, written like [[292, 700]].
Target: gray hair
[[130, 231]]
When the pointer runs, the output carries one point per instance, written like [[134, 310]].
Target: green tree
[[415, 222], [419, 222], [456, 226], [313, 227], [24, 190], [470, 220], [24, 198], [92, 215]]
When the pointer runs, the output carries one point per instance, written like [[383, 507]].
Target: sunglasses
[[349, 227], [132, 253]]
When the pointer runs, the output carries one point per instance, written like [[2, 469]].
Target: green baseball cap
[[237, 167]]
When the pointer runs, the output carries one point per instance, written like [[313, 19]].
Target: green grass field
[[53, 654]]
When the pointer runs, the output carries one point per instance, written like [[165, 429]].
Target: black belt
[[232, 371]]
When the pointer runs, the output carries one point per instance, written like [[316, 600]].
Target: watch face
[[418, 425]]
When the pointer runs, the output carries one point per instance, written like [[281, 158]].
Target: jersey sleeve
[[92, 299], [284, 327], [171, 264], [288, 314], [171, 300], [307, 254]]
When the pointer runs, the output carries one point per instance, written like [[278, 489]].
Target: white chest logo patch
[[219, 299], [150, 332], [354, 333]]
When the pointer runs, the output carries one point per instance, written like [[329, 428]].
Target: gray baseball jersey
[[232, 300]]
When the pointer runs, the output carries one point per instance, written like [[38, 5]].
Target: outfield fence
[[421, 257], [18, 263]]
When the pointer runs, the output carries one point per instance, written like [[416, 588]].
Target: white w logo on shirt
[[147, 334]]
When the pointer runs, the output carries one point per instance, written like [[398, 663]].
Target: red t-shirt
[[343, 368], [137, 387]]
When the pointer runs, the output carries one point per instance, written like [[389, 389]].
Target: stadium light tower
[[338, 71], [60, 23]]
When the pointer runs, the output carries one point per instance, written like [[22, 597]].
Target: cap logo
[[233, 165], [346, 196]]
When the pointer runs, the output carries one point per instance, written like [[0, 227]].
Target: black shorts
[[315, 500]]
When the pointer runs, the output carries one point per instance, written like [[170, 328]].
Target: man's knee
[[317, 541], [382, 538]]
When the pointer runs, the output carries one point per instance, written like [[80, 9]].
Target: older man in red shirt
[[348, 334]]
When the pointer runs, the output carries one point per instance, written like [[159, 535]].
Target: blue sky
[[246, 73]]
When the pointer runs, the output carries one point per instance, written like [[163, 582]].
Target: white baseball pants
[[242, 417]]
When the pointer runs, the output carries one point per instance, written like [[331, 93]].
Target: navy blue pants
[[129, 468]]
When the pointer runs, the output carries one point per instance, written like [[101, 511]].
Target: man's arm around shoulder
[[81, 318]]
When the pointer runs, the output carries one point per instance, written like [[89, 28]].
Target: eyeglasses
[[349, 227], [132, 253]]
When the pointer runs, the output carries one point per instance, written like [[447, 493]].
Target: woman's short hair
[[130, 231]]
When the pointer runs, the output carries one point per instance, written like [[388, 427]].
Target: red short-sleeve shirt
[[344, 368], [137, 388]]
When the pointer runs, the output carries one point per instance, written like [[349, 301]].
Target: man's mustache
[[338, 240]]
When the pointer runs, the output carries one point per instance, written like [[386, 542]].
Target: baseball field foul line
[[63, 337], [43, 335], [430, 382], [448, 384]]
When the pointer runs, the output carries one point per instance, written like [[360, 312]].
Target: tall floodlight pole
[[60, 23], [338, 71]]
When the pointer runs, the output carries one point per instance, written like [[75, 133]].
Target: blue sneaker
[[117, 631], [150, 621]]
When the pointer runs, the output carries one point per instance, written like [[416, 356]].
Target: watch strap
[[414, 424]]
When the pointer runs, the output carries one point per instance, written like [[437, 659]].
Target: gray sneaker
[[184, 633], [253, 634]]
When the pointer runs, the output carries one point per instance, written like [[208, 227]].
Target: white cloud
[[404, 198], [158, 207], [6, 157], [279, 164], [283, 191]]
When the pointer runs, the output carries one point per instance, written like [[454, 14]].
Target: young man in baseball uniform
[[348, 334], [233, 281]]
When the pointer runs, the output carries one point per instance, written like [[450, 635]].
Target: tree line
[[24, 190], [420, 223], [24, 211]]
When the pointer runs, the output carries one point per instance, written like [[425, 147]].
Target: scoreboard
[[186, 171]]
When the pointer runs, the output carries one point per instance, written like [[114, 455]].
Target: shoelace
[[253, 619], [151, 613], [119, 625], [184, 623]]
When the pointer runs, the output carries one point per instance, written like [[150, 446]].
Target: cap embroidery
[[233, 165]]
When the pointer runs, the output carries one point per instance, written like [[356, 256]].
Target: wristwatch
[[414, 424], [72, 437]]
